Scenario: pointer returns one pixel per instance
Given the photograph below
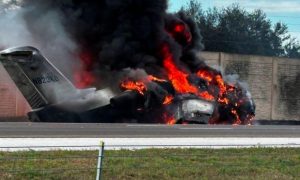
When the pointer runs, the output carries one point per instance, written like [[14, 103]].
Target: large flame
[[179, 78], [228, 97]]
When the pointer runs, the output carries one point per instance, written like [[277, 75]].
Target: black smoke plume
[[120, 33]]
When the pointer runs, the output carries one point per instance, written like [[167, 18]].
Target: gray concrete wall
[[273, 82]]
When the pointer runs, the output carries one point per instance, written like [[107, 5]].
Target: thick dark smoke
[[120, 33]]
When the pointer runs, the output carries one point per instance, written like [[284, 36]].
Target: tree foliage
[[234, 30]]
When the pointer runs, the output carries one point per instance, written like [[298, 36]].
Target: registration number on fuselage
[[48, 78]]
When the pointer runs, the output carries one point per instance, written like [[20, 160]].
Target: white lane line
[[148, 125], [205, 128], [47, 144], [184, 128]]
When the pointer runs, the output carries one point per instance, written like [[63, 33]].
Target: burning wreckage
[[202, 97], [164, 81]]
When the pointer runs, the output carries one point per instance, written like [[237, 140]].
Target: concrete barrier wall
[[273, 82], [286, 87]]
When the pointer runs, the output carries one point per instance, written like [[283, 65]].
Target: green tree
[[234, 30], [292, 48]]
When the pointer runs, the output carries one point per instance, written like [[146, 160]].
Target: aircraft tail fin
[[38, 79]]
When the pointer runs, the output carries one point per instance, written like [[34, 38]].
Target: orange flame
[[168, 100], [176, 76], [218, 89], [153, 78], [137, 86], [205, 75], [224, 89], [179, 78], [205, 95], [221, 85], [169, 119], [237, 118]]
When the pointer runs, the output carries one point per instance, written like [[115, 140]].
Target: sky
[[286, 11]]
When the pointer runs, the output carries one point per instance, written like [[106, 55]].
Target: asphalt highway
[[72, 130]]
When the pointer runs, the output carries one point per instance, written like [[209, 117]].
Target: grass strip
[[248, 163]]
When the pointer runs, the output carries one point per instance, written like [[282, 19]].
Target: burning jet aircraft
[[54, 98]]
